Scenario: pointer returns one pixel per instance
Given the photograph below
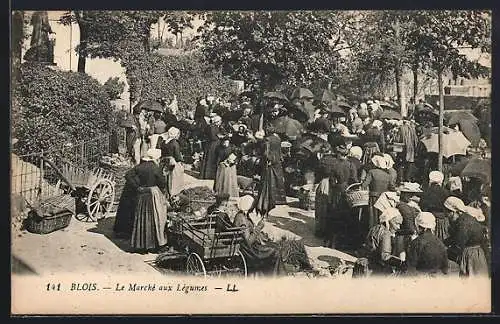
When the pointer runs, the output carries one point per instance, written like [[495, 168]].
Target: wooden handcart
[[211, 252], [94, 189]]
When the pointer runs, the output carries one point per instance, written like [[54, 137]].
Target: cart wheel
[[100, 199], [195, 266], [243, 264]]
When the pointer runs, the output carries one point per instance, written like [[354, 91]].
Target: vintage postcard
[[250, 162]]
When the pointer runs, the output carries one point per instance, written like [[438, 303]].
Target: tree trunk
[[182, 41], [415, 84], [17, 35], [82, 51], [441, 117], [399, 90]]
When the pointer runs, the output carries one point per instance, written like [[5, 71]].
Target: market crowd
[[408, 218]]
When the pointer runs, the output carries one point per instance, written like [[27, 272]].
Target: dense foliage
[[158, 76], [268, 49], [57, 108]]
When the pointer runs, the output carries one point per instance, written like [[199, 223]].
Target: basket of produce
[[195, 199], [307, 196], [117, 165], [355, 196]]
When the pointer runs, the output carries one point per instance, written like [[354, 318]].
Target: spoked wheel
[[241, 264], [195, 266], [100, 199]]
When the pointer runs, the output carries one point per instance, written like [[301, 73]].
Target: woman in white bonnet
[[380, 241], [432, 200], [150, 218], [172, 161], [427, 254]]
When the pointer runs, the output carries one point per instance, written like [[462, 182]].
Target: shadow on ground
[[105, 227], [20, 267]]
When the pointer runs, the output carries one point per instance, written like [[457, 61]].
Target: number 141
[[51, 286]]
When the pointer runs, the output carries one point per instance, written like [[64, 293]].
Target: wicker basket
[[357, 197], [47, 224], [307, 198]]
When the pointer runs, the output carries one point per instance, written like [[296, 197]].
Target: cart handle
[[59, 173], [352, 186]]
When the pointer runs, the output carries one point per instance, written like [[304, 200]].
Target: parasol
[[390, 114], [300, 93], [303, 112], [455, 117], [326, 96], [151, 105], [454, 142], [275, 95], [334, 109], [343, 104], [478, 168], [288, 126]]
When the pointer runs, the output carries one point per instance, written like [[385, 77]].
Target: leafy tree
[[269, 49], [58, 107], [441, 35], [114, 87], [177, 22], [121, 35]]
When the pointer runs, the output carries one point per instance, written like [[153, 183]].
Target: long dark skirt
[[272, 190], [264, 258], [321, 211], [150, 221], [473, 262], [442, 228], [209, 163], [124, 221], [373, 213]]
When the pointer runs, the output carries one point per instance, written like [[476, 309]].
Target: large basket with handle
[[356, 197]]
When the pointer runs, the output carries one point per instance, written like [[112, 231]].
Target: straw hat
[[454, 204]]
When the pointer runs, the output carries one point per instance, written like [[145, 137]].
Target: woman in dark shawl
[[149, 206], [209, 164], [272, 186]]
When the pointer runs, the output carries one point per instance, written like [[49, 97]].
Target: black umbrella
[[457, 116], [287, 126], [275, 95], [478, 168], [334, 109], [309, 143], [343, 104], [151, 105], [300, 93]]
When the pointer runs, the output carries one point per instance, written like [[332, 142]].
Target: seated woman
[[259, 251], [380, 241]]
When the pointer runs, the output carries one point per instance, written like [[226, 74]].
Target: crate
[[47, 224]]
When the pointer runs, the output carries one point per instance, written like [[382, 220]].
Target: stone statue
[[42, 44]]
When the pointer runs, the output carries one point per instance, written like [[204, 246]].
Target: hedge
[[57, 108], [158, 76]]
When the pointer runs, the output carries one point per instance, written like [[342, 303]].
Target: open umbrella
[[151, 105], [454, 142], [287, 126], [309, 143], [300, 93], [275, 95], [478, 168], [390, 114], [470, 130], [334, 110], [455, 117], [326, 96], [343, 104]]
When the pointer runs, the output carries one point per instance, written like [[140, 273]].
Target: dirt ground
[[92, 247]]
